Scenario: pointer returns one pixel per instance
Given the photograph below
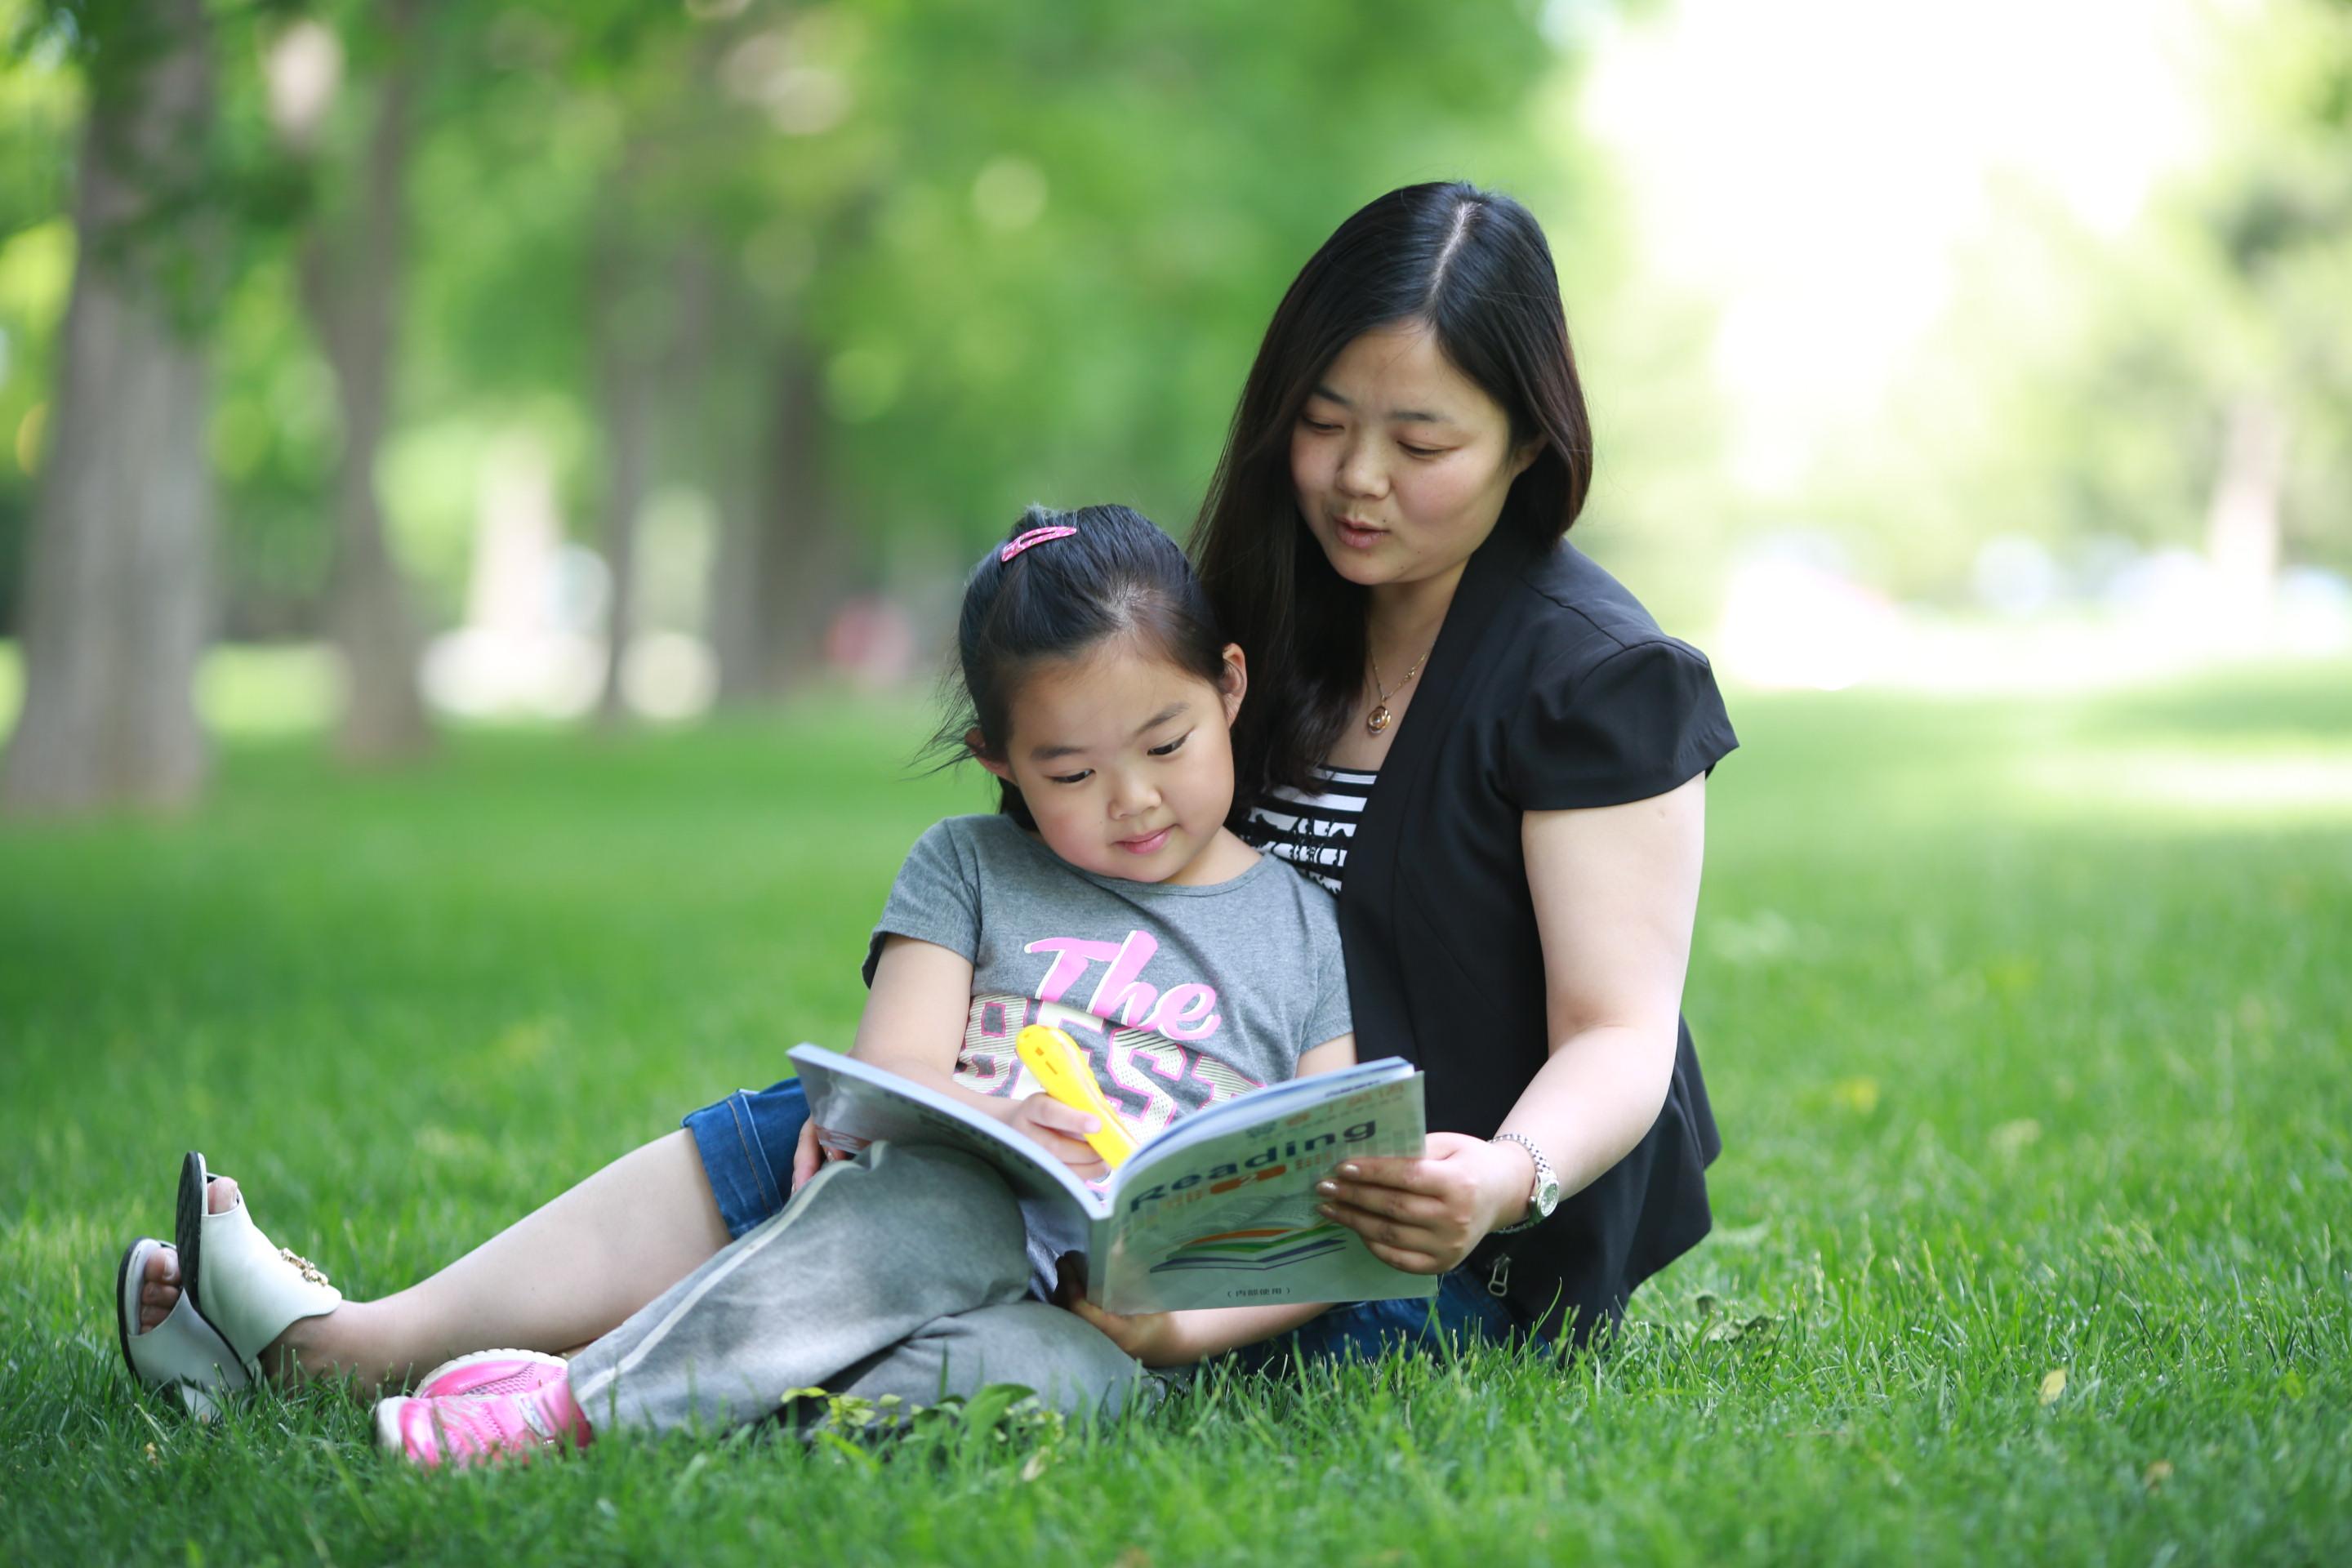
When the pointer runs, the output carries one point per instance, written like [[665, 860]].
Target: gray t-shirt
[[1179, 996]]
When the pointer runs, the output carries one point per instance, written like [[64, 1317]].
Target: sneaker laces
[[518, 1378], [532, 1415]]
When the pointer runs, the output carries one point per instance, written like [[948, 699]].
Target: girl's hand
[[1150, 1338], [1060, 1130], [1423, 1215], [810, 1156]]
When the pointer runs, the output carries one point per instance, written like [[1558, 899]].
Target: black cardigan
[[1548, 687]]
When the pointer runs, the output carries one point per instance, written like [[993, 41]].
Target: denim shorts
[[746, 1141]]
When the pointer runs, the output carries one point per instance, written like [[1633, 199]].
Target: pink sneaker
[[485, 1374], [472, 1429]]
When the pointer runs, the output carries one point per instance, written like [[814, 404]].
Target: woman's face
[[1400, 462]]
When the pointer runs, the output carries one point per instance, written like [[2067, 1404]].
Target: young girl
[[1108, 898]]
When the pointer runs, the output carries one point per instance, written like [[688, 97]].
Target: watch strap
[[1537, 1211]]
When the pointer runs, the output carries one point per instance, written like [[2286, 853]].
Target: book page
[[1227, 1220]]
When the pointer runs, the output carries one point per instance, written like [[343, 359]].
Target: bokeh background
[[371, 369]]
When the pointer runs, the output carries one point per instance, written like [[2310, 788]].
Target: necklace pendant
[[1379, 719]]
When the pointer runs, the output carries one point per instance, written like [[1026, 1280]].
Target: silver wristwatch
[[1545, 1198]]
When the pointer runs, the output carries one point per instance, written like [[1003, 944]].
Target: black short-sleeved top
[[1549, 686]]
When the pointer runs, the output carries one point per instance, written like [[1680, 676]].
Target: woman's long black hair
[[1472, 266], [1115, 575]]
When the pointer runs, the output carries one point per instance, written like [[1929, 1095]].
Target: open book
[[1216, 1211]]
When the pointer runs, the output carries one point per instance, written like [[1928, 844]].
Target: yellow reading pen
[[1061, 1067]]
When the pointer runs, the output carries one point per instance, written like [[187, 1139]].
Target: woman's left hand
[[1423, 1215]]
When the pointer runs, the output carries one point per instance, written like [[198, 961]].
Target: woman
[[1513, 814], [1490, 751]]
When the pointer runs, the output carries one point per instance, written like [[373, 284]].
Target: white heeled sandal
[[244, 1289], [182, 1353]]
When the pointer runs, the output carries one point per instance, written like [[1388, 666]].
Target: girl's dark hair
[[1473, 266], [1117, 576]]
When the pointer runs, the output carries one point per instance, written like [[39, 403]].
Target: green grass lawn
[[2026, 1023]]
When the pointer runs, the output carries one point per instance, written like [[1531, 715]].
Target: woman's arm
[[1616, 891]]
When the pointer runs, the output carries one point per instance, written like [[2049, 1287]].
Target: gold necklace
[[1379, 718]]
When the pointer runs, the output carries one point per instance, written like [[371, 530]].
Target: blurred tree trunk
[[353, 270], [2241, 521], [117, 581], [732, 463], [805, 556], [734, 595], [780, 561], [620, 325]]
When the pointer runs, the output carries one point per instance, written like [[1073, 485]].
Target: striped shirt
[[1313, 831]]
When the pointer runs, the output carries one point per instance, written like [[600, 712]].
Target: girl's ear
[[1235, 684], [1526, 453], [977, 744]]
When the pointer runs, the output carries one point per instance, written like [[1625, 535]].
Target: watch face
[[1547, 1197]]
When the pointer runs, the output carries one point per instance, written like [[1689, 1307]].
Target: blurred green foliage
[[1023, 250], [1020, 251]]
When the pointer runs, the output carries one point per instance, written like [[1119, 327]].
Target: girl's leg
[[561, 1276], [867, 1261], [1066, 1360]]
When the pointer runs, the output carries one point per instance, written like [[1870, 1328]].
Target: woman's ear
[[1233, 685], [1525, 453], [977, 744]]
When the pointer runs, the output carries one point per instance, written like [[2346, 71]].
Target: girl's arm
[[914, 1015], [1179, 1339], [1616, 891], [913, 1025]]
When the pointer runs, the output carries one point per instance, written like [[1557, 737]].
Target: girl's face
[[1125, 761], [1400, 462]]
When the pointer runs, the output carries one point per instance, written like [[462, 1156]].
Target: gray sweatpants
[[901, 1272]]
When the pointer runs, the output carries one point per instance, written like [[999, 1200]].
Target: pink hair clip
[[1034, 536]]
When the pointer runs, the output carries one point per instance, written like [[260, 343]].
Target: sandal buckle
[[311, 1273]]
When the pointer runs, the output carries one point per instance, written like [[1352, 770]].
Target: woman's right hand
[[1060, 1130], [1425, 1215]]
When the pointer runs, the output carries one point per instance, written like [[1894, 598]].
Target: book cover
[[1218, 1210]]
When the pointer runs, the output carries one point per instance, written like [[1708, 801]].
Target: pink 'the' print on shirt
[[1185, 1012]]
